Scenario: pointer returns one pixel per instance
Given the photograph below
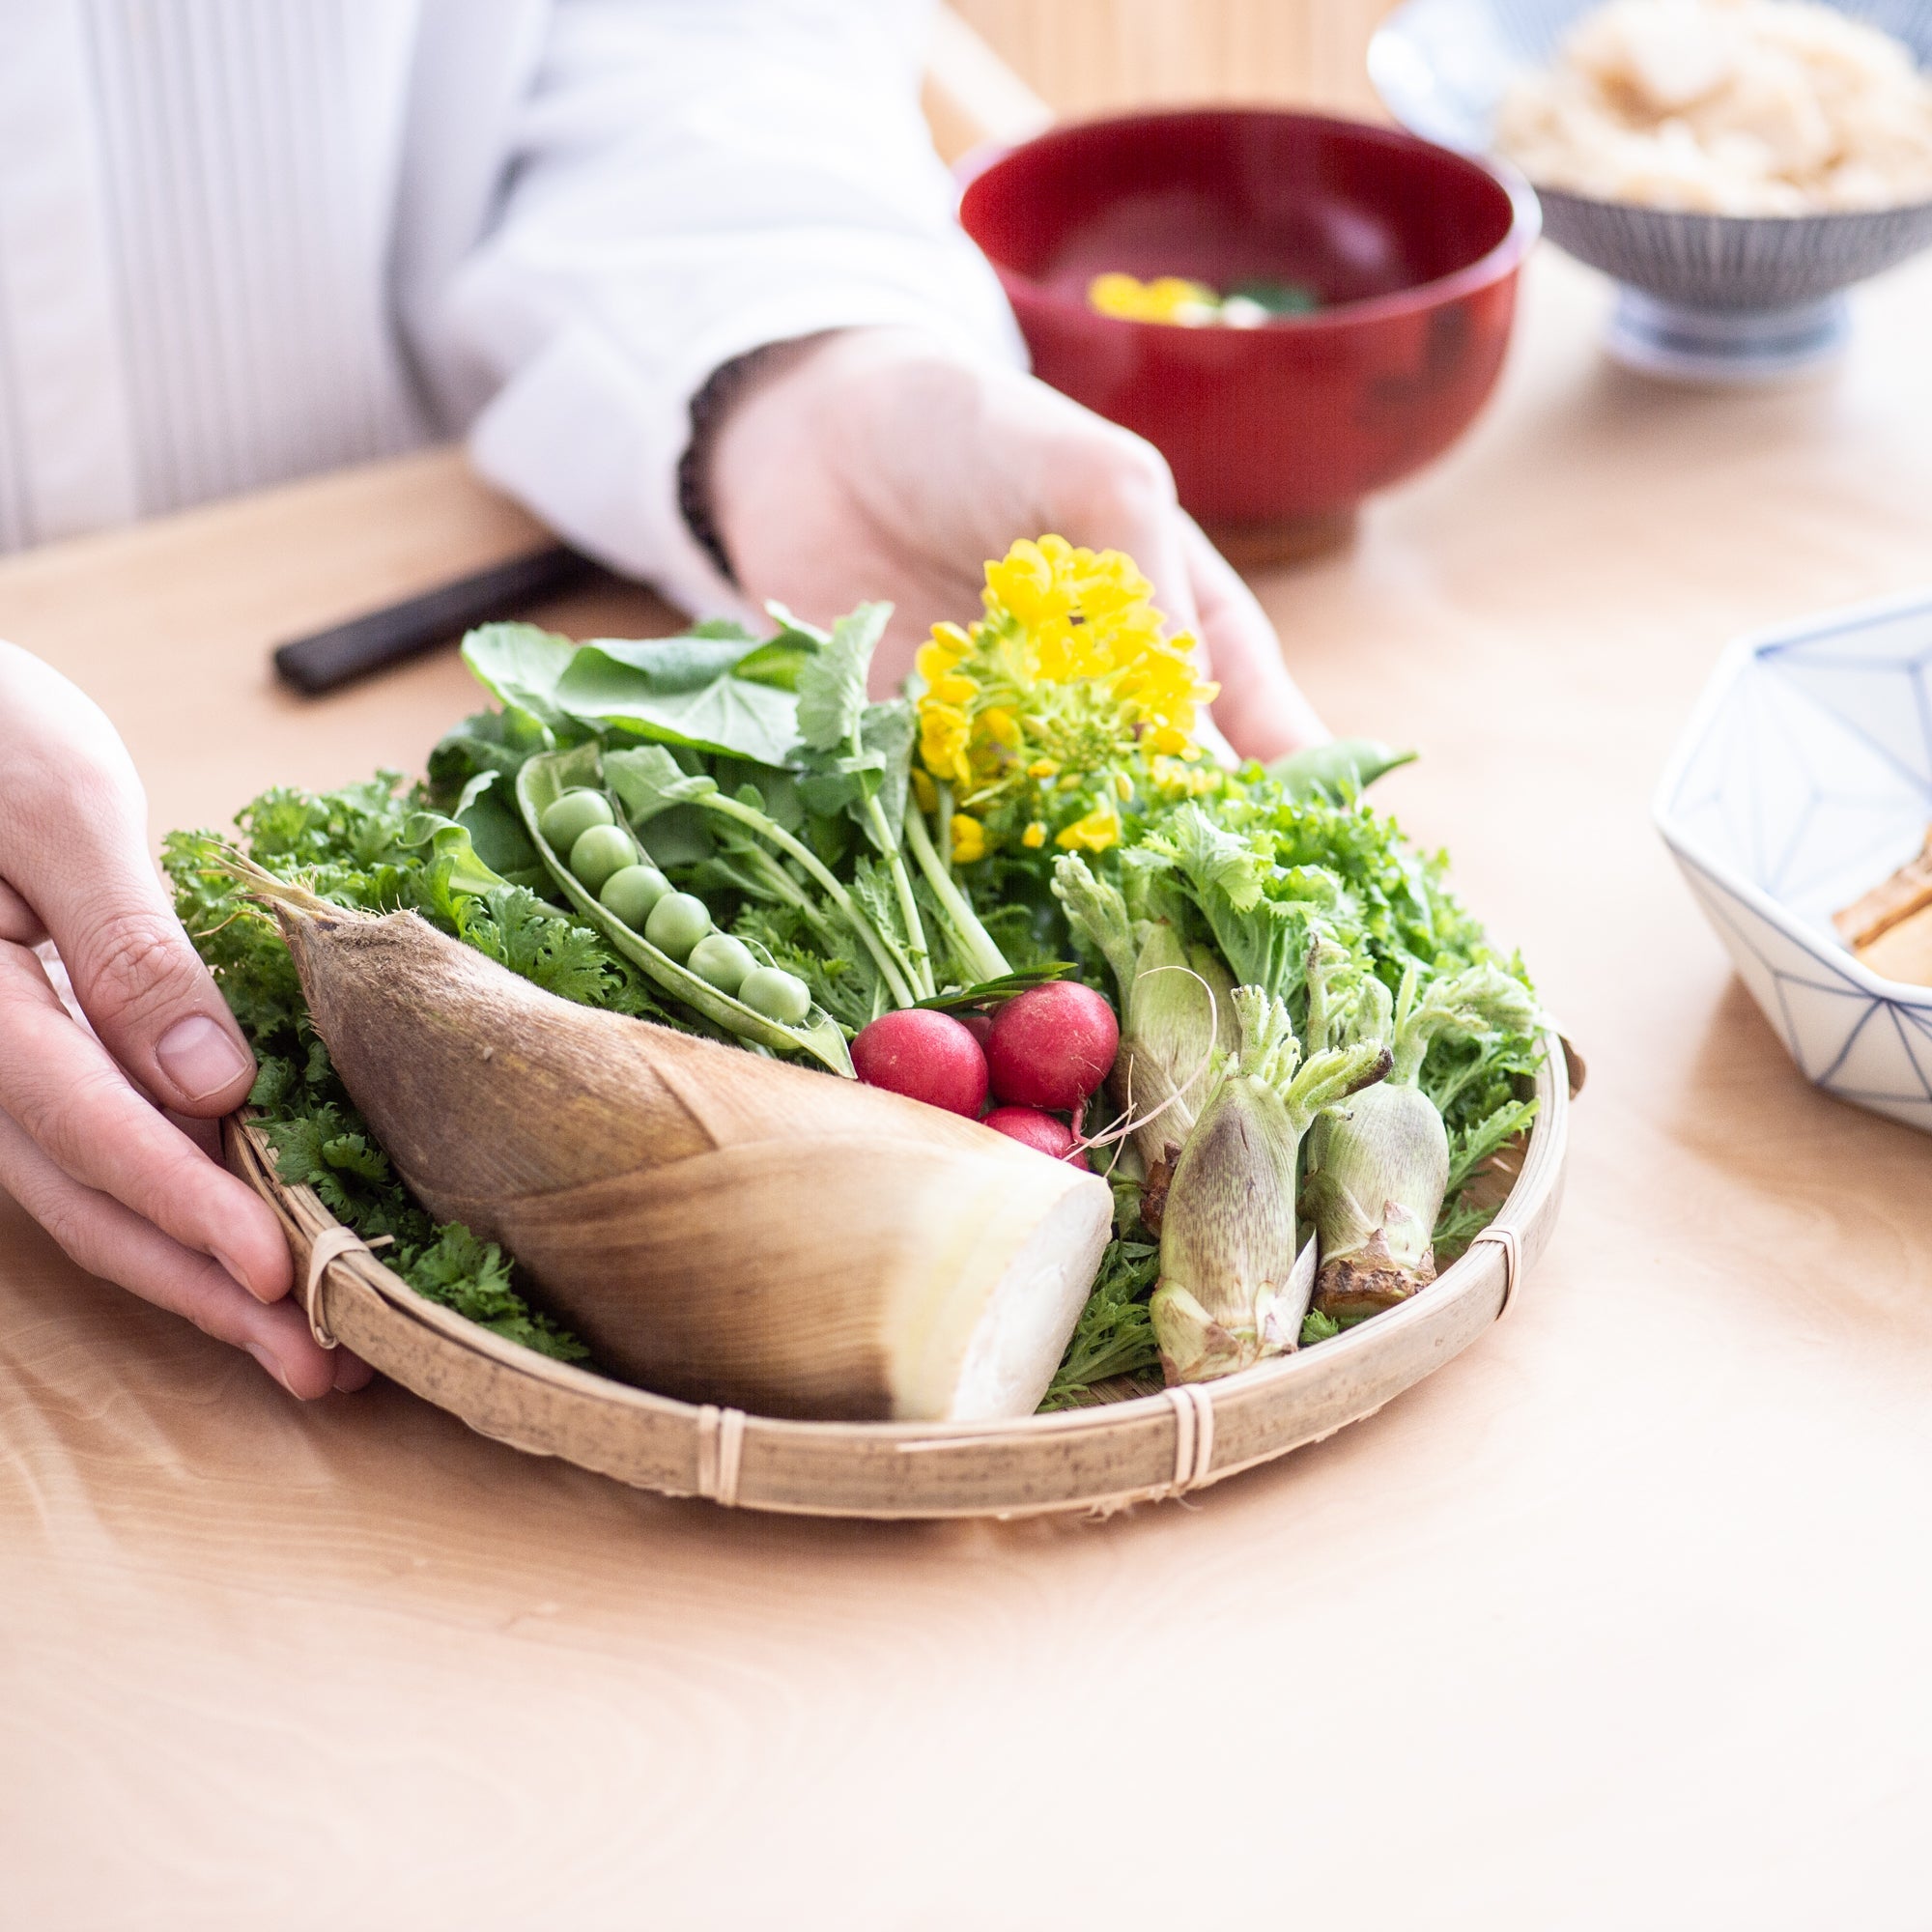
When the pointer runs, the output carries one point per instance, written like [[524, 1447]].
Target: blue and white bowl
[[1707, 297], [1804, 779]]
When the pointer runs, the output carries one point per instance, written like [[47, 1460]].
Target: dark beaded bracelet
[[693, 466]]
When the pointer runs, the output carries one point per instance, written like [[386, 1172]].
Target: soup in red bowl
[[1409, 252]]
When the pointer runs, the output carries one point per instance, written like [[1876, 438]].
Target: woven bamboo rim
[[1100, 1459]]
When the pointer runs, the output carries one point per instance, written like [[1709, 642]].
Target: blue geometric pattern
[[1803, 778]]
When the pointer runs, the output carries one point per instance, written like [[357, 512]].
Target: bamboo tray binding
[[1101, 1457]]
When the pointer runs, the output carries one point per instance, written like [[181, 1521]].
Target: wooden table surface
[[1620, 1620]]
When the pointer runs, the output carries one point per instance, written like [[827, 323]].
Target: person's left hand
[[878, 464]]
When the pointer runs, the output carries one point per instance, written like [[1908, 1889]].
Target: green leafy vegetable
[[684, 690], [543, 780], [486, 809], [757, 774], [367, 847], [520, 665], [496, 742], [1318, 1327], [1262, 915], [1115, 1333], [832, 686], [1176, 1002], [649, 780], [857, 758], [1279, 298], [990, 992]]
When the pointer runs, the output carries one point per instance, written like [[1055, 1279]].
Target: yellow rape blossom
[[969, 839], [1063, 692], [1001, 727], [943, 734], [1173, 778], [1094, 832]]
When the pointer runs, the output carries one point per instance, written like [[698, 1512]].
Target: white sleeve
[[690, 180]]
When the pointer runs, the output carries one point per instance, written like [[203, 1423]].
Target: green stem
[[944, 817], [974, 941], [882, 955], [921, 962], [1332, 1076], [784, 887], [749, 868], [1402, 1034]]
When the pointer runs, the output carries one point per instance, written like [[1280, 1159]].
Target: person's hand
[[874, 464], [86, 1142]]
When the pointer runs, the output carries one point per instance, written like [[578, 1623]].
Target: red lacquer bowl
[[1413, 250]]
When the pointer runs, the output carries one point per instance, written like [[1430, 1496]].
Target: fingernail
[[352, 1373], [268, 1362], [201, 1057], [234, 1273]]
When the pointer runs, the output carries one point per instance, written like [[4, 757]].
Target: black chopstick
[[383, 637]]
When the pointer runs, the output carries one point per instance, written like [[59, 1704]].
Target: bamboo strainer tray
[[1101, 1457]]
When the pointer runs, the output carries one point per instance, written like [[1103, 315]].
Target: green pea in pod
[[540, 784]]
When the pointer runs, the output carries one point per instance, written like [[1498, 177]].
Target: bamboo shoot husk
[[717, 1225]]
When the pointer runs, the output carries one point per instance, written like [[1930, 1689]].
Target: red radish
[[979, 1026], [1033, 1129], [1052, 1046], [925, 1056]]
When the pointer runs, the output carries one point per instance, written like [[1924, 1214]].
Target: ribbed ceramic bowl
[[1702, 296], [1802, 779]]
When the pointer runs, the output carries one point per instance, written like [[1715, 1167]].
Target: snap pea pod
[[1335, 771], [542, 780]]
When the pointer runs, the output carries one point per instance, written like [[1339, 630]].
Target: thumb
[[145, 991], [75, 858], [1130, 505]]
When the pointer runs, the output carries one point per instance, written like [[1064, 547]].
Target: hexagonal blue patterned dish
[[1803, 778], [1715, 298]]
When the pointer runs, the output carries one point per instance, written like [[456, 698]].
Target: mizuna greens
[[364, 847], [724, 835]]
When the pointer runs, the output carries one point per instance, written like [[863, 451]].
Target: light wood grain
[[1616, 1621], [972, 95], [1102, 56]]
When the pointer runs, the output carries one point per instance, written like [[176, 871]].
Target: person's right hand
[[874, 462], [85, 1145]]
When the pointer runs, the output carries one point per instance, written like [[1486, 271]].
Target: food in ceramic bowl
[[1804, 779], [1889, 927], [1727, 107], [1275, 432], [1708, 290]]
